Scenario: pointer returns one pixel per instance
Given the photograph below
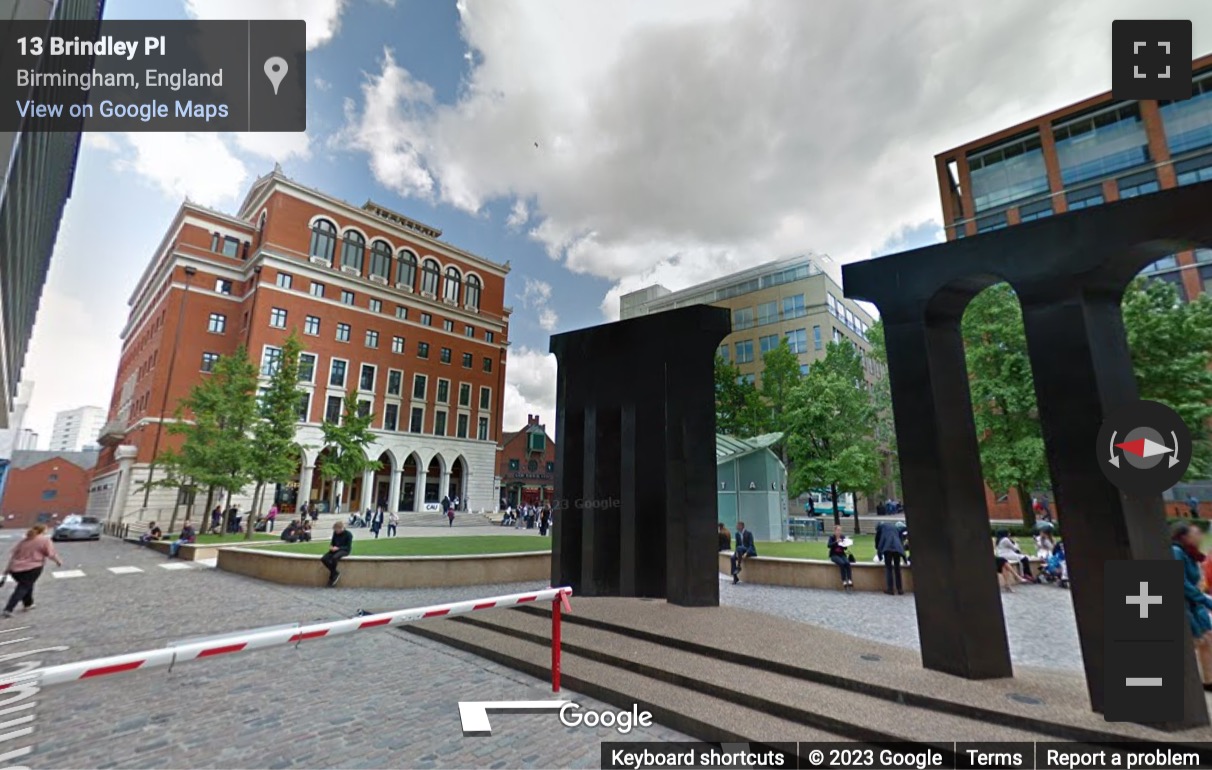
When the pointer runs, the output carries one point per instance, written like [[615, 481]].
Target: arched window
[[450, 292], [408, 269], [429, 277], [471, 294], [323, 240], [353, 249], [380, 259]]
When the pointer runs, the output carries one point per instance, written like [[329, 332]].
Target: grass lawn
[[863, 548], [226, 539], [431, 546]]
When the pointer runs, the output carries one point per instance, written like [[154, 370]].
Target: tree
[[274, 453], [1171, 345], [881, 395], [738, 408], [780, 375], [830, 441], [347, 441], [1003, 396]]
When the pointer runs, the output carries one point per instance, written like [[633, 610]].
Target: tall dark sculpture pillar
[[635, 457], [1081, 332], [960, 620]]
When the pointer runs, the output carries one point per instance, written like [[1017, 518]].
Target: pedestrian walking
[[890, 549], [1185, 544], [393, 521], [1193, 505], [271, 517], [216, 517], [376, 523], [25, 566]]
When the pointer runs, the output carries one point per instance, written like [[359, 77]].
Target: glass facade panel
[[1008, 173], [1189, 122], [767, 313], [1098, 145], [768, 343]]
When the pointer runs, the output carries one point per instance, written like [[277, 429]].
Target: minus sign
[[1143, 681]]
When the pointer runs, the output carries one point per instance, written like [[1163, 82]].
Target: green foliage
[[738, 407], [215, 421], [1003, 396], [347, 441], [274, 454], [780, 375], [881, 396], [830, 442], [1171, 344]]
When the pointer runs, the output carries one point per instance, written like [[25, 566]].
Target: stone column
[[444, 484], [393, 495], [305, 479], [418, 499], [368, 491]]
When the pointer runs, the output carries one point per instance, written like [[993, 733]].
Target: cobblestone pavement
[[373, 699], [1039, 618]]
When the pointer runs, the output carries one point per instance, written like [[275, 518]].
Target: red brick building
[[1096, 151], [526, 465], [44, 487], [381, 304]]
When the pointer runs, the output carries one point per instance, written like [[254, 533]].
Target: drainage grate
[[1028, 699], [870, 657]]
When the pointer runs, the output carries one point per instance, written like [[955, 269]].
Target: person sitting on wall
[[725, 538], [744, 550], [187, 537], [339, 547], [838, 543], [153, 533]]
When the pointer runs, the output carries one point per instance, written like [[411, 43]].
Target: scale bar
[[1143, 681]]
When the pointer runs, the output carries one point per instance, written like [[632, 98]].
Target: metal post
[[555, 642]]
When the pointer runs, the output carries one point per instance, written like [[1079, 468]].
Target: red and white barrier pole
[[256, 640]]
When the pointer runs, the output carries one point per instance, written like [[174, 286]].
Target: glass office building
[[1087, 154]]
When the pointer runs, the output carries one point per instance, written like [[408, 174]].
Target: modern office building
[[383, 307], [791, 298], [1095, 151], [77, 429], [36, 173], [16, 436]]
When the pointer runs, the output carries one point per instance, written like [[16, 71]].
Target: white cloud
[[684, 139], [275, 145], [548, 319], [323, 17], [518, 215], [322, 84], [200, 167], [535, 292], [529, 388]]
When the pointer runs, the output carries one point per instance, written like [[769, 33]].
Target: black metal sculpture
[[1070, 272], [635, 465]]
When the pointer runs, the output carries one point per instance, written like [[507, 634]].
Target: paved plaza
[[372, 699]]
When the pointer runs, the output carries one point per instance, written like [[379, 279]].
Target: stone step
[[841, 712], [703, 717]]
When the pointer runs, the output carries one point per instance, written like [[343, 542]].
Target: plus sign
[[1144, 600]]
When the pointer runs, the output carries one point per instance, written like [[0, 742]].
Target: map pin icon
[[275, 70]]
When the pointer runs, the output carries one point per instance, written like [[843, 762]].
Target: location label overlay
[[153, 76]]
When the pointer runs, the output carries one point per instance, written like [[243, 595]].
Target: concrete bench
[[299, 569], [812, 573]]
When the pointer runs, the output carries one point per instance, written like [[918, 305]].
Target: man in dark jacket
[[339, 548], [889, 547], [744, 549]]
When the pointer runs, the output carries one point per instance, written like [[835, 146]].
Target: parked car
[[78, 528]]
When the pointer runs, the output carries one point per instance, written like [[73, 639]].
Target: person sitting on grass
[[305, 531], [291, 533], [153, 533], [744, 549], [186, 537], [339, 547]]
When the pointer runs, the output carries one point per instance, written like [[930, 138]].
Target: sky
[[598, 146]]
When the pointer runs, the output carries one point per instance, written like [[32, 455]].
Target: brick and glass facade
[[526, 465], [1096, 151], [382, 306]]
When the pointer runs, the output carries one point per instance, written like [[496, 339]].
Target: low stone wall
[[388, 571], [197, 552], [813, 573]]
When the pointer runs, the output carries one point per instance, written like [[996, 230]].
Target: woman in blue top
[[1185, 541]]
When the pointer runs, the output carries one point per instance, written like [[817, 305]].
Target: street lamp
[[168, 382]]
